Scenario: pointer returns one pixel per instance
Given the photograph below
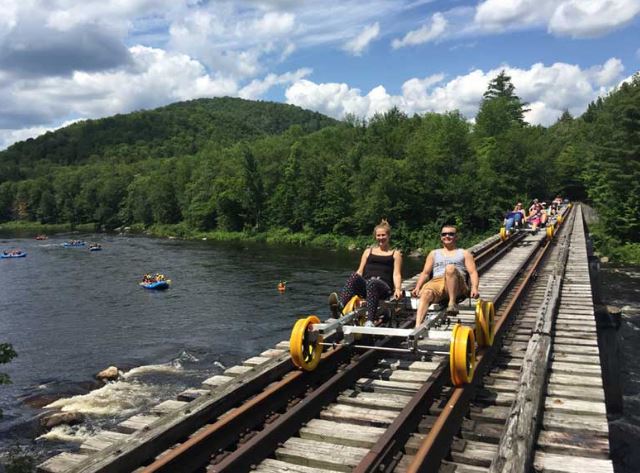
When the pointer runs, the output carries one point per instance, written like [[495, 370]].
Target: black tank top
[[378, 266]]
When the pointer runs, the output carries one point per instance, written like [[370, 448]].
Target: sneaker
[[369, 323], [334, 305], [452, 309]]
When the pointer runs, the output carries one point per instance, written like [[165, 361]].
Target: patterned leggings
[[372, 289]]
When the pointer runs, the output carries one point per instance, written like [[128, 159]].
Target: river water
[[70, 313]]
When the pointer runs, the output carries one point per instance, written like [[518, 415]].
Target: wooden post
[[516, 448]]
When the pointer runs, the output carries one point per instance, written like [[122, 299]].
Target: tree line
[[236, 165]]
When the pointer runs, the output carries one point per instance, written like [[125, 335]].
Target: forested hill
[[182, 128], [228, 165]]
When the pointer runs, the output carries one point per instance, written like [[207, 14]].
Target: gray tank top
[[441, 262]]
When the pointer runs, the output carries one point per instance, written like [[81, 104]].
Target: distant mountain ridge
[[181, 128]]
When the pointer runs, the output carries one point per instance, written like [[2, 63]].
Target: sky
[[65, 60]]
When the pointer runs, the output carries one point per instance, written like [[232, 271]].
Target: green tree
[[501, 108]]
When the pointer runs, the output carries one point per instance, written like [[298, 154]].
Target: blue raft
[[20, 254], [76, 244], [158, 285]]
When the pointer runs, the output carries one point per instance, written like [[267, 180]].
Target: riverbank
[[411, 244]]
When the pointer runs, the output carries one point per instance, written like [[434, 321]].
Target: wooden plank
[[102, 440], [561, 422], [237, 370], [453, 467], [256, 360], [577, 358], [400, 375], [577, 341], [217, 380], [167, 406], [575, 350], [61, 463], [374, 400], [363, 436], [384, 386], [269, 465], [475, 453], [358, 415], [574, 443], [574, 406], [572, 380], [410, 365], [320, 454], [577, 369], [576, 392], [553, 463], [190, 394], [494, 397], [137, 422], [273, 352]]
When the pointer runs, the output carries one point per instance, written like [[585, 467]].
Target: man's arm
[[424, 275], [470, 265]]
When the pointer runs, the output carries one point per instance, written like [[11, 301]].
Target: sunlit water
[[70, 313]]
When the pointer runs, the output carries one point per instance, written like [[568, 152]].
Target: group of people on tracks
[[449, 274], [379, 276], [537, 216]]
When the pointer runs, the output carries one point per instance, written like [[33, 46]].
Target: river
[[70, 313]]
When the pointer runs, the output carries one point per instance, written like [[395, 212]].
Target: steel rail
[[208, 440], [265, 442], [383, 456], [197, 449], [435, 445]]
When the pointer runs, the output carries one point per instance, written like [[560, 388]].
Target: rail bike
[[472, 328], [551, 228]]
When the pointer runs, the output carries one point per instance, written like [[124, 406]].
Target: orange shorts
[[439, 290]]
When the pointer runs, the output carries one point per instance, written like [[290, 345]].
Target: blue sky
[[63, 60]]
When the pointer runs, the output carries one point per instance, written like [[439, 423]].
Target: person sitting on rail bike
[[378, 276], [537, 216], [514, 218], [449, 265]]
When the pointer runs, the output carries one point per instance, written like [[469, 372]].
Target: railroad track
[[360, 410]]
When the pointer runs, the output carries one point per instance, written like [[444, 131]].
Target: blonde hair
[[383, 225]]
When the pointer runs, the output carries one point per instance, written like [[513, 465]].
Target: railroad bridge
[[534, 400]]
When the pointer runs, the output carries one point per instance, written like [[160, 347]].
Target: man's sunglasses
[[449, 234]]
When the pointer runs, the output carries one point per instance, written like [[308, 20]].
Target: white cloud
[[575, 18], [156, 78], [424, 34], [258, 87], [592, 18], [549, 89], [358, 44]]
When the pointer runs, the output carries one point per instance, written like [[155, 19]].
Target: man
[[450, 266]]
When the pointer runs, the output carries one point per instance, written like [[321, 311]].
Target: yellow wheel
[[503, 234], [550, 232], [353, 304], [462, 355], [485, 317], [570, 205], [559, 219], [305, 353]]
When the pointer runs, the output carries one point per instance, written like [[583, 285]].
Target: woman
[[378, 276]]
